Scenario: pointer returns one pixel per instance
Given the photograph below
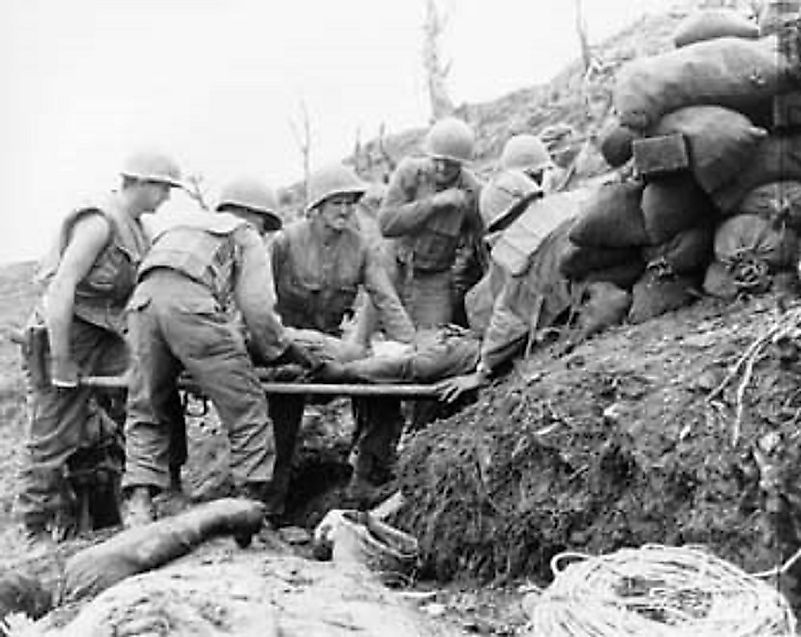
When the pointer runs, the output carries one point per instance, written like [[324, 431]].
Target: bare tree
[[302, 135], [389, 161], [436, 70], [581, 30], [196, 188]]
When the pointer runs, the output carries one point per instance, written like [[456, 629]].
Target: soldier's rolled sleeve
[[394, 319], [401, 212], [506, 333], [255, 295]]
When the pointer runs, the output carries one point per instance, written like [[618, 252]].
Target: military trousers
[[175, 324], [63, 420]]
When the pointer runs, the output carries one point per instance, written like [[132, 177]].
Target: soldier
[[199, 270], [537, 296], [319, 265], [528, 154], [77, 330], [430, 214], [430, 209]]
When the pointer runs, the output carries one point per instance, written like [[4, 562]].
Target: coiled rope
[[658, 591]]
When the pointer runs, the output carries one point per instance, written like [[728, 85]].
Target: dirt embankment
[[618, 444]]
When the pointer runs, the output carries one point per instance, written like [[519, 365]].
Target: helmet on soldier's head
[[450, 138], [255, 196], [505, 197], [525, 152], [332, 180], [152, 166]]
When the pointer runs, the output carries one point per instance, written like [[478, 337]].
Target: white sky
[[216, 82]]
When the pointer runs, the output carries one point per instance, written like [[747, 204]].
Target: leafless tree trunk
[[581, 30], [302, 135], [197, 190], [389, 162], [436, 70]]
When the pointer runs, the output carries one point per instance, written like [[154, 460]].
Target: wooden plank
[[661, 155], [404, 390]]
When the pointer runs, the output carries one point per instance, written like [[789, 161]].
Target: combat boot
[[362, 494], [138, 509]]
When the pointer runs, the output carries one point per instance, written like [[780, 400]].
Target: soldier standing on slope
[[198, 271], [77, 329], [319, 265]]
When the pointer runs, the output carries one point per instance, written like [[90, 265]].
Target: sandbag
[[721, 141], [775, 13], [654, 295], [672, 204], [147, 547], [720, 282], [688, 252], [617, 142], [576, 262], [612, 218], [751, 238], [623, 276], [606, 305], [777, 201], [776, 158], [709, 24], [736, 73]]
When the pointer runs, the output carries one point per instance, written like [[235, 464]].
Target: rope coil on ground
[[658, 591]]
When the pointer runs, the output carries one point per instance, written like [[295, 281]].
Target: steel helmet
[[252, 194], [332, 180], [505, 197], [525, 152], [450, 138], [152, 166]]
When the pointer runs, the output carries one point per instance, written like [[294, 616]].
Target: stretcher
[[400, 390]]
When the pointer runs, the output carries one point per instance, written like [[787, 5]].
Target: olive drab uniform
[[181, 319], [66, 420], [316, 284], [425, 243], [425, 247]]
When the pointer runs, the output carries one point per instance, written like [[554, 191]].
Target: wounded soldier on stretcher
[[435, 354]]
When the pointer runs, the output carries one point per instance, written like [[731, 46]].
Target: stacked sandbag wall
[[728, 222]]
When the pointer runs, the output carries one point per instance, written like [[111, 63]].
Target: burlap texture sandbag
[[688, 252], [720, 282], [736, 73], [721, 141], [623, 276], [147, 547], [672, 204], [617, 142], [709, 24], [605, 305], [654, 295], [751, 238], [777, 201], [776, 158], [577, 262], [612, 218]]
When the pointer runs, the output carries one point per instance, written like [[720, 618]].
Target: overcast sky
[[216, 83]]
